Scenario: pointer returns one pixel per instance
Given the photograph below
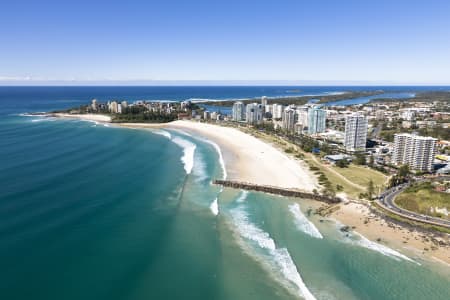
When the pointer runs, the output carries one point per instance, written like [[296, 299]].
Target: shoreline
[[407, 239], [252, 160]]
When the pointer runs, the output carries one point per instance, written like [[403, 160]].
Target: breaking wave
[[278, 260], [163, 133], [221, 161], [214, 207], [366, 243], [358, 239], [242, 197], [188, 153], [302, 223]]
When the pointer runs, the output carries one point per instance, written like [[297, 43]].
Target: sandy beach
[[407, 240], [250, 159], [89, 117]]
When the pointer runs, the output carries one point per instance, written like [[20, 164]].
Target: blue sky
[[275, 41]]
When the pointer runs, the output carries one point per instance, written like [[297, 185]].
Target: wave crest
[[188, 153], [277, 259], [302, 223]]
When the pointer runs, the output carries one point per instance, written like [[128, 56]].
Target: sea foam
[[302, 223], [242, 196], [278, 260], [358, 239], [366, 243], [214, 207], [163, 133], [188, 153], [221, 161]]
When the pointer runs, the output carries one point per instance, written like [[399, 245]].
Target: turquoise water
[[95, 212]]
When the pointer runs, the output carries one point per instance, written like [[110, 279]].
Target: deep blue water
[[20, 99]]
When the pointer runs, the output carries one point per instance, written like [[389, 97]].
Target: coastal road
[[386, 200]]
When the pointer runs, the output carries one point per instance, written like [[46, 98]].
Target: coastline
[[252, 160], [406, 239], [88, 117]]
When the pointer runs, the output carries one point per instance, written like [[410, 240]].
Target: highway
[[386, 200]]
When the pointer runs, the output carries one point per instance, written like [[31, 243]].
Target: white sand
[[90, 117], [252, 160]]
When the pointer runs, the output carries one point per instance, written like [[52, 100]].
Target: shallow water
[[95, 212]]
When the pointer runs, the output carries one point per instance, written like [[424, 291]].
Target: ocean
[[89, 211]]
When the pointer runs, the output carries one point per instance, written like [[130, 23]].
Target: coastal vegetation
[[428, 96], [424, 199], [301, 100], [144, 117]]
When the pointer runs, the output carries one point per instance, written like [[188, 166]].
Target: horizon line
[[50, 83]]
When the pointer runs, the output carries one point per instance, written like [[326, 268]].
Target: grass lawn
[[356, 174], [421, 198], [362, 176]]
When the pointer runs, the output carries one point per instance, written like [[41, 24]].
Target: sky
[[246, 41]]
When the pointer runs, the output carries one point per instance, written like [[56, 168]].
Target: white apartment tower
[[289, 119], [254, 113], [415, 151], [238, 111], [355, 133], [264, 101], [277, 111]]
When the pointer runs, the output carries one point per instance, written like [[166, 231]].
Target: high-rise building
[[289, 119], [277, 111], [302, 116], [264, 101], [113, 107], [316, 120], [268, 111], [415, 151], [124, 105], [254, 113], [94, 105], [355, 132], [238, 111]]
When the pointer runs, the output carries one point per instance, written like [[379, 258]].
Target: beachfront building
[[316, 120], [94, 105], [277, 111], [268, 111], [289, 119], [124, 105], [206, 115], [113, 107], [415, 151], [264, 101], [302, 113], [254, 113], [355, 132], [238, 111]]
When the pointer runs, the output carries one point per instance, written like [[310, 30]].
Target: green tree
[[343, 163], [360, 159], [370, 190], [403, 171], [371, 161]]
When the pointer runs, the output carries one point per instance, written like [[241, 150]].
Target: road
[[386, 200]]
